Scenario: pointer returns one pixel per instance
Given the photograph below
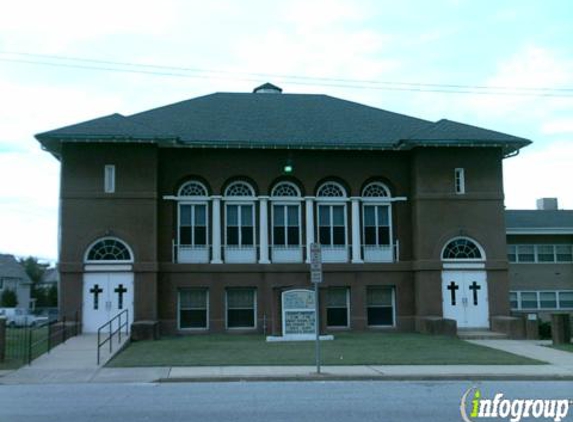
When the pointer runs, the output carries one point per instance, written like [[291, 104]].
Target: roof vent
[[547, 204], [267, 89]]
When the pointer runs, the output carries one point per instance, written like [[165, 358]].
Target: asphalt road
[[258, 401]]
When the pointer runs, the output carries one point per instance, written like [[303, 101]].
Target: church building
[[200, 215]]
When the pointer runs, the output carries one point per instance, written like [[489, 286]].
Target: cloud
[[539, 173]]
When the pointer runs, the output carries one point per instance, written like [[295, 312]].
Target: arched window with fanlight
[[240, 233], [286, 234], [110, 250], [193, 223], [331, 199], [462, 249], [377, 223]]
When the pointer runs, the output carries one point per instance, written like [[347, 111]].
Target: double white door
[[104, 296], [464, 298]]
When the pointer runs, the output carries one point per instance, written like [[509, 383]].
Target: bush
[[8, 299], [545, 330]]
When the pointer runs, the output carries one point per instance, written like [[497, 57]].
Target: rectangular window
[[529, 300], [332, 225], [564, 253], [548, 300], [566, 300], [526, 253], [193, 308], [240, 225], [337, 306], [286, 225], [545, 253], [376, 225], [241, 308], [193, 224], [380, 306], [109, 178], [513, 300], [460, 181], [512, 253]]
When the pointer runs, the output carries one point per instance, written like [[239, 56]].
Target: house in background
[[201, 214], [50, 278], [540, 254], [13, 277]]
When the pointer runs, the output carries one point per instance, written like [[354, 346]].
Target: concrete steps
[[480, 335]]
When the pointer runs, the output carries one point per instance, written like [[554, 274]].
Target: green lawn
[[17, 340], [565, 347], [346, 349]]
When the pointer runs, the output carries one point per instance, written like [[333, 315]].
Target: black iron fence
[[25, 343]]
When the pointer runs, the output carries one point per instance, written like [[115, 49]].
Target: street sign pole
[[316, 278]]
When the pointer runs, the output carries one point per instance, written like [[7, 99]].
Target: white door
[[464, 298], [104, 296]]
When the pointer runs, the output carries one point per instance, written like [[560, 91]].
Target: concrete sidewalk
[[75, 363]]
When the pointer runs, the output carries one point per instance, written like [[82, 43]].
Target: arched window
[[331, 190], [285, 189], [193, 223], [331, 222], [193, 188], [239, 189], [377, 223], [240, 245], [109, 249], [286, 223], [462, 248], [376, 190]]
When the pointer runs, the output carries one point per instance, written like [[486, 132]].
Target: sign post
[[316, 278]]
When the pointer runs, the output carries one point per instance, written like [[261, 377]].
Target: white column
[[263, 230], [216, 231], [356, 249], [309, 225]]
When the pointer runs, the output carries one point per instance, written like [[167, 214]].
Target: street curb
[[328, 377]]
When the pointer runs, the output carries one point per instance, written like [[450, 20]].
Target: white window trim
[[538, 300], [207, 217], [239, 216], [330, 204], [334, 327], [391, 231], [459, 181], [294, 186], [536, 253], [109, 178], [206, 328], [123, 261], [393, 289], [272, 225], [255, 309]]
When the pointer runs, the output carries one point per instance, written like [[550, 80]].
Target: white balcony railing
[[287, 254], [187, 254], [240, 254]]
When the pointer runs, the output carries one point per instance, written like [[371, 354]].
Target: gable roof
[[261, 120], [539, 221], [11, 268]]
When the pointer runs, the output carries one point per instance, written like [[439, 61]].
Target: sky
[[514, 60]]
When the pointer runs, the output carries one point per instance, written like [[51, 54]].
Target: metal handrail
[[112, 332]]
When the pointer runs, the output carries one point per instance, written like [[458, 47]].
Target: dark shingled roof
[[259, 120], [536, 220], [11, 268]]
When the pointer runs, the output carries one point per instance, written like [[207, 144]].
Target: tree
[[8, 299], [33, 268], [52, 296]]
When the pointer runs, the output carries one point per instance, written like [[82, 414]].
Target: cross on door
[[452, 288], [96, 290], [120, 290], [474, 287]]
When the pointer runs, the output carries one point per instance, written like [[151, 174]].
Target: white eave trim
[[540, 230]]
